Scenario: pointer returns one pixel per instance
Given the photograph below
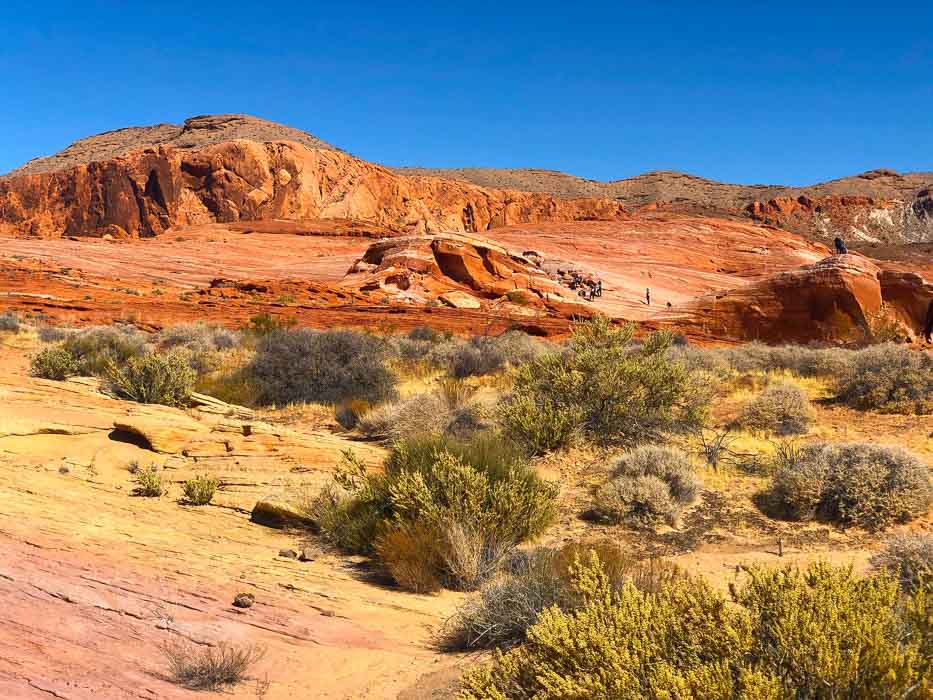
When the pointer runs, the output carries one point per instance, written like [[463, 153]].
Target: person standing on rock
[[928, 324], [840, 246], [648, 296]]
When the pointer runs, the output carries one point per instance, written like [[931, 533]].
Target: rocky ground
[[95, 579]]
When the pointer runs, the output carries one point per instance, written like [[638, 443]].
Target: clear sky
[[781, 92]]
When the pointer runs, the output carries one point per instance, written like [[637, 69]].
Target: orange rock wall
[[149, 191]]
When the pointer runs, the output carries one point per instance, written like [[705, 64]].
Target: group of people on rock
[[589, 289]]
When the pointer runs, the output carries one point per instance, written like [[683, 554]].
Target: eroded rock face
[[840, 298], [255, 176], [465, 272]]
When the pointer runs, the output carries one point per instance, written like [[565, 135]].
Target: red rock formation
[[147, 190], [841, 298], [461, 271]]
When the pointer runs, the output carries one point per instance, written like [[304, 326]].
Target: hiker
[[840, 246], [599, 288], [648, 296], [928, 324]]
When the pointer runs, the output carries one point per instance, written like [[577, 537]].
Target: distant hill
[[196, 132], [672, 186]]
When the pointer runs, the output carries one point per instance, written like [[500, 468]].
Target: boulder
[[278, 513]]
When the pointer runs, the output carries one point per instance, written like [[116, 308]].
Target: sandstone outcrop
[[843, 298], [464, 272], [147, 184]]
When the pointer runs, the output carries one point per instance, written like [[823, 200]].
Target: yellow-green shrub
[[603, 387], [820, 633], [483, 488]]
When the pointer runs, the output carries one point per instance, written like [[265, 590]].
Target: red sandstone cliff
[[231, 168]]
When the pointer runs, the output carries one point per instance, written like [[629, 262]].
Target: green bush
[[477, 498], [301, 365], [148, 482], [603, 388], [781, 408], [909, 557], [889, 378], [820, 633], [53, 363], [96, 349], [154, 378], [865, 485], [200, 490], [507, 606]]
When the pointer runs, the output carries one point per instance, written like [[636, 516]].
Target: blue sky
[[780, 92]]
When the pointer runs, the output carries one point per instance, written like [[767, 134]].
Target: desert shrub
[[477, 498], [96, 349], [53, 334], [802, 360], [424, 333], [649, 485], [480, 356], [507, 606], [909, 557], [53, 363], [827, 633], [321, 367], [820, 633], [669, 464], [411, 553], [10, 322], [889, 378], [264, 324], [200, 490], [148, 482], [447, 411], [409, 350], [201, 667], [865, 485], [199, 336], [443, 353], [782, 408], [153, 378], [636, 500], [603, 388], [711, 360]]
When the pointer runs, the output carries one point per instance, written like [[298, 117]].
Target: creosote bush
[[470, 501], [818, 633], [200, 490], [889, 378], [210, 667], [782, 408], [864, 485], [604, 388], [154, 378], [909, 557], [501, 613], [301, 365], [650, 484], [53, 363]]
